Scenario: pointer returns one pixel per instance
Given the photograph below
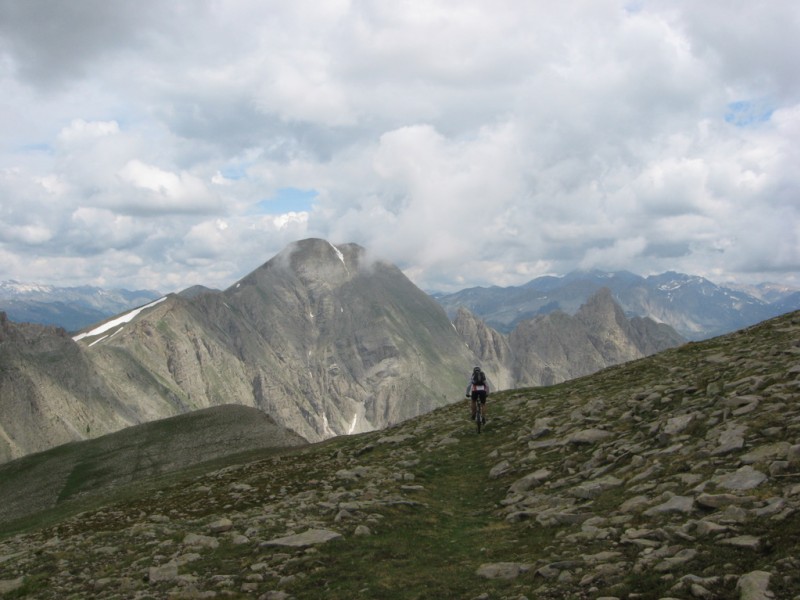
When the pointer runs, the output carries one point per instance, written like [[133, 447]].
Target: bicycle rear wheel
[[479, 416]]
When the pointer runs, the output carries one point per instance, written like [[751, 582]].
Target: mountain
[[556, 347], [320, 338], [695, 307], [768, 292], [72, 308], [673, 476]]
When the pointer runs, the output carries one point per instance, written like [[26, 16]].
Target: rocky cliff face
[[556, 347], [490, 347], [320, 338], [50, 391]]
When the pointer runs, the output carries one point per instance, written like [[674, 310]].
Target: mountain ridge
[[694, 306], [322, 338], [77, 307], [72, 308]]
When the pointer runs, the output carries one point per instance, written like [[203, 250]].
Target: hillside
[[674, 476], [49, 479]]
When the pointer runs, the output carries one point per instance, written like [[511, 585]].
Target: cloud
[[150, 143]]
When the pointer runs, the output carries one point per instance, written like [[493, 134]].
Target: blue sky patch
[[46, 148], [744, 113], [234, 172], [288, 200]]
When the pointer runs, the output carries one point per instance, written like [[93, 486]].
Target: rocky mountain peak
[[317, 263]]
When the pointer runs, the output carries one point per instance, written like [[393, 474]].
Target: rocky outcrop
[[557, 347], [51, 393], [490, 347]]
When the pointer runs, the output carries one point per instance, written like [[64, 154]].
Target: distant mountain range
[[695, 307], [72, 308], [321, 339]]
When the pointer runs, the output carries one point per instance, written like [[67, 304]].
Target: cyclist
[[477, 390]]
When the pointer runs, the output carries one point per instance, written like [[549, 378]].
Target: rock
[[10, 585], [676, 425], [394, 439], [721, 500], [362, 530], [765, 453], [679, 559], [241, 487], [676, 504], [698, 591], [589, 436], [503, 570], [220, 526], [754, 586], [745, 478], [530, 481], [773, 507], [448, 441], [500, 469], [743, 541], [203, 541], [709, 528], [730, 440], [352, 474], [592, 489], [601, 557], [635, 505], [311, 537], [166, 572], [793, 455]]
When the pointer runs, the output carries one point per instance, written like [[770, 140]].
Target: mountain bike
[[479, 415]]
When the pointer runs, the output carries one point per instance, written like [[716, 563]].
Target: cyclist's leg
[[474, 404]]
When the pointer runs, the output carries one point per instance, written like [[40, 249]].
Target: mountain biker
[[477, 390]]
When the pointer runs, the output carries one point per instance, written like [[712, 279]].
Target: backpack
[[478, 378]]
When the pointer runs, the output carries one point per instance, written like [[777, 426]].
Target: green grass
[[437, 545]]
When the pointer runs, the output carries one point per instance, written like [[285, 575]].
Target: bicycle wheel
[[479, 417]]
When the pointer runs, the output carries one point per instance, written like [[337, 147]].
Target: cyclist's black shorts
[[479, 395]]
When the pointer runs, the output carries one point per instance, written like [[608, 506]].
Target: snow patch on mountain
[[126, 318]]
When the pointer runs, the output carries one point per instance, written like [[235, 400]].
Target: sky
[[162, 144]]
